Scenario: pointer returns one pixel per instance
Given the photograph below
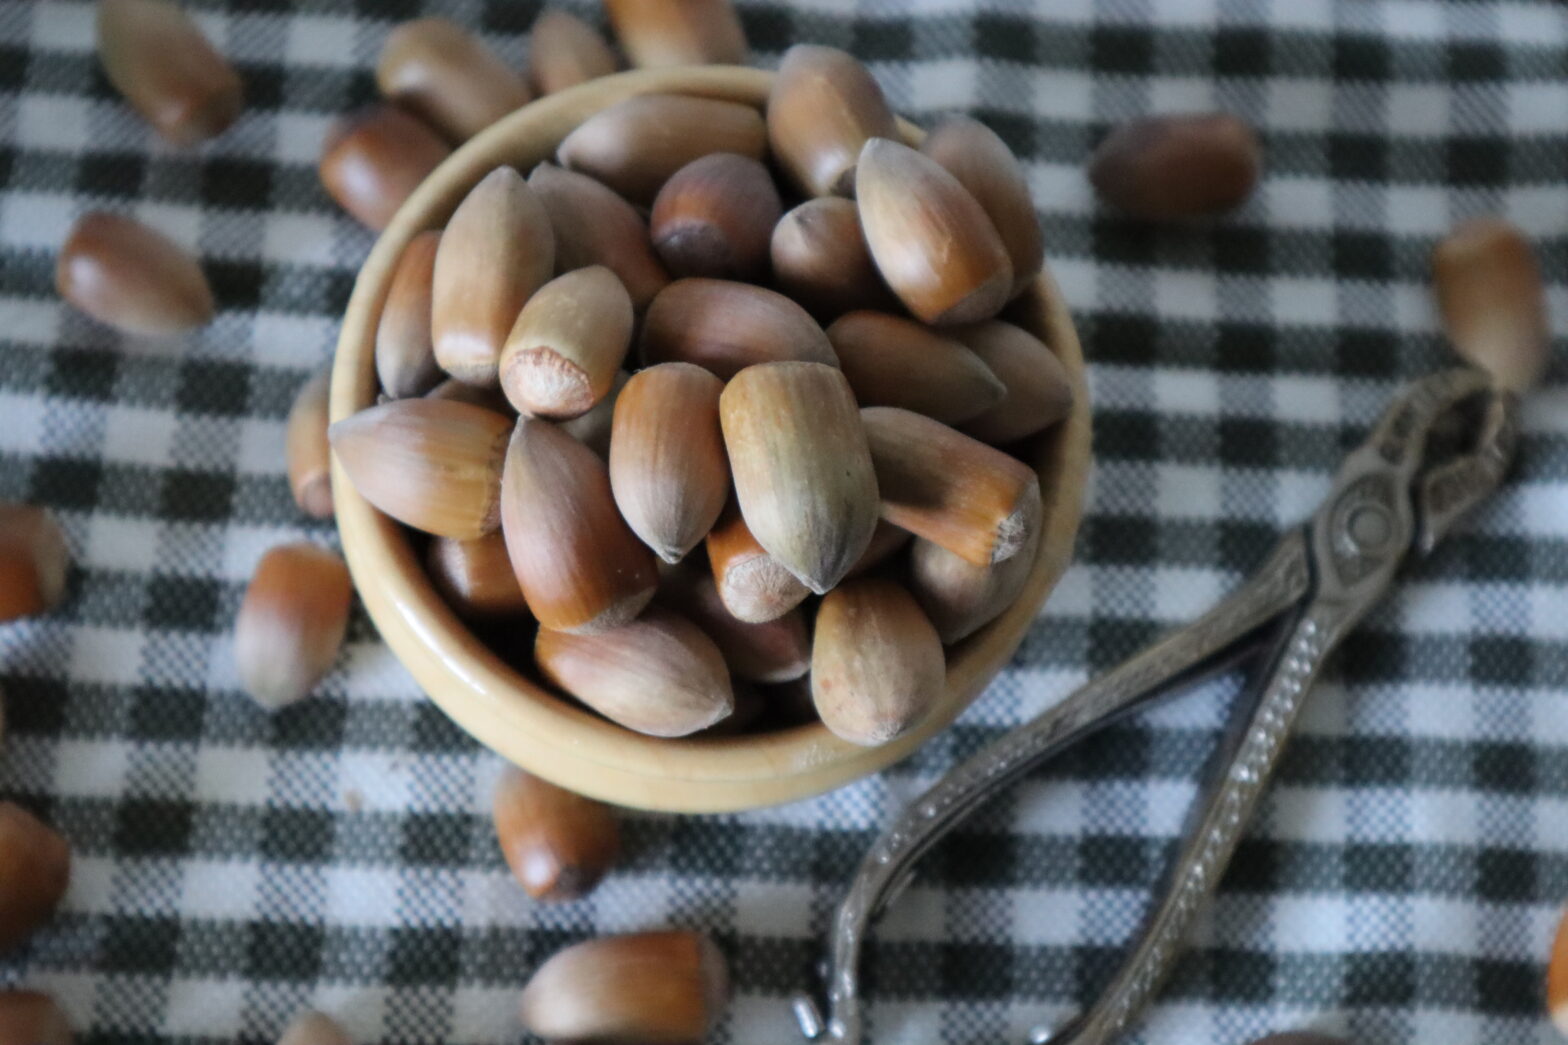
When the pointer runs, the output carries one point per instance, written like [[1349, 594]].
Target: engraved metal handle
[[1282, 582]]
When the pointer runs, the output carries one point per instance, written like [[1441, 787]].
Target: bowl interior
[[532, 726]]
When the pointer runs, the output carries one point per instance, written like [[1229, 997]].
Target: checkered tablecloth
[[1403, 878]]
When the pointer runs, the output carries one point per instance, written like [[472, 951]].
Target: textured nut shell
[[306, 449], [887, 541], [434, 464], [876, 663], [31, 1018], [580, 566], [594, 226], [725, 327], [557, 843], [568, 344], [456, 391], [167, 69], [658, 674], [34, 561], [931, 241], [374, 161], [634, 146], [131, 277], [773, 651], [983, 164], [564, 51], [447, 76], [1164, 168], [1556, 977], [947, 487], [825, 105], [314, 1028], [1039, 392], [475, 576], [715, 217], [678, 32], [960, 597], [802, 470], [292, 622], [668, 468], [35, 868], [753, 585], [893, 361], [405, 357], [820, 259], [498, 248], [1492, 301]]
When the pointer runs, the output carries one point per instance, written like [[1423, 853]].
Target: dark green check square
[[1360, 57], [424, 956], [1508, 988], [1378, 867], [1121, 49], [293, 835], [184, 603], [114, 174], [1476, 61], [1505, 767], [1358, 157], [1248, 442], [235, 183], [1241, 976], [192, 496], [1477, 161], [1242, 52], [153, 827], [1004, 37], [435, 839], [977, 971], [1380, 978], [135, 944], [1126, 339], [1362, 255], [1122, 539], [882, 40], [210, 386], [1244, 347], [316, 724], [1507, 876], [64, 482], [1501, 660], [434, 732], [87, 373], [1114, 860], [236, 284], [1366, 352], [284, 951], [168, 713]]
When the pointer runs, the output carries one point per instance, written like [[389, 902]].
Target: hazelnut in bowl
[[729, 501]]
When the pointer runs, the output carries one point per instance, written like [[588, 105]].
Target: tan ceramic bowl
[[532, 726]]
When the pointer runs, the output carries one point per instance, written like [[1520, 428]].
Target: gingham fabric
[[1403, 878]]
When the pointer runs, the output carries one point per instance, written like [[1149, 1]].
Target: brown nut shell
[[753, 585], [1039, 390], [35, 868], [959, 597], [580, 566], [498, 248], [564, 51], [666, 987], [32, 1018], [725, 327], [659, 674], [942, 485], [594, 226], [774, 651], [131, 277], [635, 145], [448, 77], [932, 242], [374, 160], [803, 473], [306, 449], [823, 108], [1166, 168], [820, 259], [405, 356], [34, 561], [1492, 301], [167, 69], [983, 164], [432, 463], [557, 843], [475, 576], [568, 344], [715, 217], [291, 624], [678, 32], [877, 665], [893, 361]]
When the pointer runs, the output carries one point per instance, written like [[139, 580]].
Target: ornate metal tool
[[1440, 448]]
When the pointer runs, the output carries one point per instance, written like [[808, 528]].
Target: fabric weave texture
[[1403, 878]]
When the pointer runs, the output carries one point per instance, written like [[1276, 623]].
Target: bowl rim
[[526, 723]]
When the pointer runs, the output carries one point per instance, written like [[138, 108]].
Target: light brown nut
[[774, 651], [448, 77], [292, 622], [131, 277], [580, 566], [306, 449], [1165, 168], [820, 259], [983, 164], [931, 240], [167, 69], [594, 226], [1039, 390], [374, 160], [1492, 301], [35, 868], [678, 32], [753, 585], [658, 675], [802, 469], [823, 108], [32, 1018], [34, 561], [557, 843], [715, 217], [564, 51], [475, 576], [405, 356], [725, 327], [432, 463], [635, 145], [893, 361], [877, 665], [567, 345]]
